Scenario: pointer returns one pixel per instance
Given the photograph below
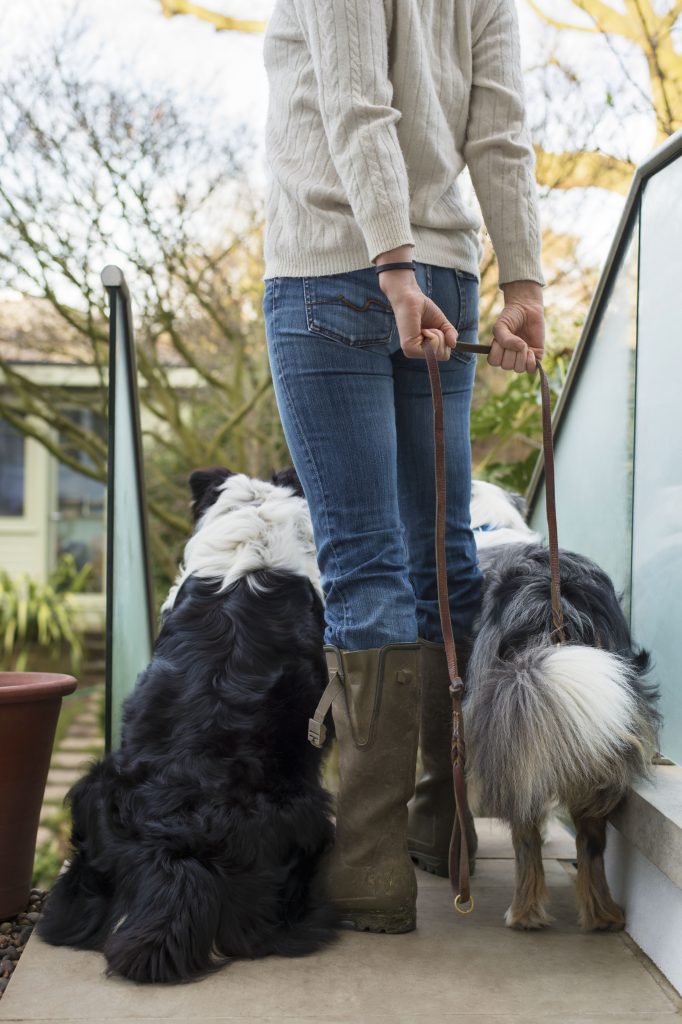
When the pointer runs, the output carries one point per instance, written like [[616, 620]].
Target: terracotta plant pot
[[29, 709]]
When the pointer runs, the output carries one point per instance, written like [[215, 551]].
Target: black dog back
[[197, 840]]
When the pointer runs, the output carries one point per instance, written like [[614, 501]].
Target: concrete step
[[451, 970]]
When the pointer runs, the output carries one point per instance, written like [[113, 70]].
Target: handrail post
[[130, 615]]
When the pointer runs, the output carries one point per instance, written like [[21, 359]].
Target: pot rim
[[24, 687]]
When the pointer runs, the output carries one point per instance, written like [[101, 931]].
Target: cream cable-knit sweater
[[375, 106]]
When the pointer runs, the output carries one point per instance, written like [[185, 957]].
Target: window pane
[[657, 547], [11, 470], [80, 506], [595, 440]]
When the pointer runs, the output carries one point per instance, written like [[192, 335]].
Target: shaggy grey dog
[[571, 724]]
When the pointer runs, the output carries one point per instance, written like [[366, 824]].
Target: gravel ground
[[15, 933]]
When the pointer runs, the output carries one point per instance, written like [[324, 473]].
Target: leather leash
[[458, 867]]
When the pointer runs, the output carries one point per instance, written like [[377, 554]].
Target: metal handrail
[[120, 312], [660, 158]]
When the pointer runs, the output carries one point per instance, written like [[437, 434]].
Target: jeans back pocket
[[350, 308]]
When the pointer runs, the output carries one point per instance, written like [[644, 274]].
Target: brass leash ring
[[463, 907]]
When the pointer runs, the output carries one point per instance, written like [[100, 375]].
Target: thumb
[[434, 317], [408, 320]]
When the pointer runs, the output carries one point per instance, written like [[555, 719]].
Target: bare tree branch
[[221, 22], [556, 23], [583, 170], [88, 168]]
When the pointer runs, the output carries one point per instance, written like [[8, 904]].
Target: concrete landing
[[459, 970]]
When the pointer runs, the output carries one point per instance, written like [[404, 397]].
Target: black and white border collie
[[572, 725], [198, 839]]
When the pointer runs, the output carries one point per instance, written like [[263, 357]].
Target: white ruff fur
[[491, 507], [252, 525]]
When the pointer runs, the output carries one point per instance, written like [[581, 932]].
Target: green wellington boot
[[432, 808], [367, 875]]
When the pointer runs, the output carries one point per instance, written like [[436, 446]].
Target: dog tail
[[78, 908], [167, 932], [556, 723]]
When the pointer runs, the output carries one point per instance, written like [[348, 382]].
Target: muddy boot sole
[[376, 921]]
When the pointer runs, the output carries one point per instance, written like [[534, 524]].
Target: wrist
[[522, 291], [395, 282], [391, 282], [403, 252]]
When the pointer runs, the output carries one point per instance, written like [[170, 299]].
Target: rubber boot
[[368, 876], [432, 808]]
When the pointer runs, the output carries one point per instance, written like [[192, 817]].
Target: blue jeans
[[358, 420]]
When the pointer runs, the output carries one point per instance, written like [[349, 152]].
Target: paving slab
[[84, 731], [70, 759], [464, 970], [84, 743], [89, 718], [55, 794], [57, 776]]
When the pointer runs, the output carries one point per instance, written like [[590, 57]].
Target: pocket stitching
[[316, 327]]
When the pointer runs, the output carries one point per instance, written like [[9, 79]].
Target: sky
[[192, 57]]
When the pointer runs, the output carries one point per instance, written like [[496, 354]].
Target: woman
[[375, 108]]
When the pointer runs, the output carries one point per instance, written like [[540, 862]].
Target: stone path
[[451, 970], [83, 740]]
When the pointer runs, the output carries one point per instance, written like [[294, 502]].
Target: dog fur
[[572, 725], [197, 840]]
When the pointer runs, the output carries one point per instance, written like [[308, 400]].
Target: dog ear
[[204, 485], [519, 502], [288, 478]]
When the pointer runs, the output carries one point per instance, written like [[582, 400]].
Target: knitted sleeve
[[498, 148], [348, 44]]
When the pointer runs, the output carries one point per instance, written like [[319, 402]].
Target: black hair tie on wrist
[[411, 265]]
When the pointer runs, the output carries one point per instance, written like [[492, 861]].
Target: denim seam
[[462, 303], [462, 320], [294, 416]]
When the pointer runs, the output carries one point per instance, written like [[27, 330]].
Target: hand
[[416, 315], [519, 331]]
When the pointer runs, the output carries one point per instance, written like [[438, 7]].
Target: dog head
[[205, 485], [243, 524], [498, 516], [287, 478]]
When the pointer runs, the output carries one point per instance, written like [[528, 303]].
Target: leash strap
[[550, 505], [458, 866]]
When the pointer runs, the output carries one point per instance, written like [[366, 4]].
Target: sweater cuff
[[386, 231], [516, 265]]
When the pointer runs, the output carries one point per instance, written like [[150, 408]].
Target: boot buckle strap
[[317, 732]]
